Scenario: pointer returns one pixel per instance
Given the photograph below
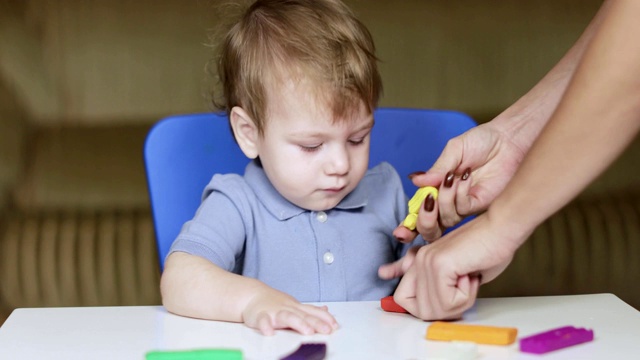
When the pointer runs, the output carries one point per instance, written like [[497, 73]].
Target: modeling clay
[[202, 354], [315, 351], [492, 335], [390, 305], [555, 339], [414, 205], [457, 350]]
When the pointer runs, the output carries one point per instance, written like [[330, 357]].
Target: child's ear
[[245, 131]]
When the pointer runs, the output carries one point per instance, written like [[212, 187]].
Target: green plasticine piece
[[202, 354]]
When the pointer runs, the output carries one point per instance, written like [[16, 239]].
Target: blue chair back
[[182, 152]]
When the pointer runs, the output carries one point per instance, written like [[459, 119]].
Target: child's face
[[313, 161]]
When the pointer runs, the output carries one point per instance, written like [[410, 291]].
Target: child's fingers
[[404, 235], [317, 318], [294, 320], [322, 313], [318, 325], [306, 323], [399, 267], [263, 324], [391, 271], [302, 318]]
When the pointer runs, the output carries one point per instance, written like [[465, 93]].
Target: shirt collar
[[280, 207]]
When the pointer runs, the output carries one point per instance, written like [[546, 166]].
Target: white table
[[366, 331]]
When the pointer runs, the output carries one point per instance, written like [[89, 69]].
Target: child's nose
[[338, 164]]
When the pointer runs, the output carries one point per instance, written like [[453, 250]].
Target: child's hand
[[271, 310], [399, 267]]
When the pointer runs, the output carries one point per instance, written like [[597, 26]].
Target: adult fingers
[[405, 294], [438, 302], [465, 202], [428, 223], [464, 296], [440, 293], [447, 201], [449, 160]]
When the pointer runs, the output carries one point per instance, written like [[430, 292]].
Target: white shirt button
[[327, 258], [322, 216]]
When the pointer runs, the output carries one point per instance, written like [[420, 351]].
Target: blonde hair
[[320, 40]]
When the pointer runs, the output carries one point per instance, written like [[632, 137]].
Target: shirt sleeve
[[217, 231]]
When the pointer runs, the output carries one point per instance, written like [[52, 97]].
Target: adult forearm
[[523, 121], [596, 119]]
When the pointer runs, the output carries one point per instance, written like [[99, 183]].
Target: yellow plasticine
[[414, 205]]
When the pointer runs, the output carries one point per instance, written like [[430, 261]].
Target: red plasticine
[[388, 304]]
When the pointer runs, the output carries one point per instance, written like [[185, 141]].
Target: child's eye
[[356, 141], [310, 148]]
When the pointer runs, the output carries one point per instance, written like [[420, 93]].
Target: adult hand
[[443, 279], [471, 171], [270, 310]]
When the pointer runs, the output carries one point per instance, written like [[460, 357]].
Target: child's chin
[[324, 206]]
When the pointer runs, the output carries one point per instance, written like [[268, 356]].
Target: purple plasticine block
[[316, 351], [555, 339]]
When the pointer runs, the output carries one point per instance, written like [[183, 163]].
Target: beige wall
[[109, 61], [13, 131], [474, 56], [84, 168], [90, 77]]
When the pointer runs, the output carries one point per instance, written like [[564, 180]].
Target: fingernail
[[466, 173], [448, 180], [429, 203], [415, 173]]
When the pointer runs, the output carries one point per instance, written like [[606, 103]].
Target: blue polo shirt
[[244, 225]]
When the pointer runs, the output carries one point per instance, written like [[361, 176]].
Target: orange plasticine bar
[[491, 335]]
